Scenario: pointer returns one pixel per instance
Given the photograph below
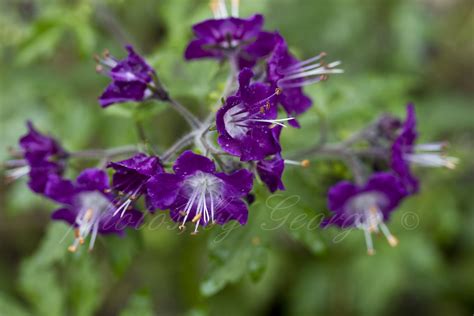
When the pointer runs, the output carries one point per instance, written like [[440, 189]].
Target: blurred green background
[[393, 51]]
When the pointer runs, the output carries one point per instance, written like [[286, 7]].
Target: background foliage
[[392, 51]]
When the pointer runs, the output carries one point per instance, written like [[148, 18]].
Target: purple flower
[[42, 155], [263, 45], [289, 74], [224, 37], [131, 78], [131, 175], [366, 207], [405, 152], [197, 193], [88, 206], [270, 172], [245, 122]]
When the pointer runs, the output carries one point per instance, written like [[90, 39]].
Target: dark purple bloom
[[366, 207], [246, 120], [260, 48], [38, 148], [271, 171], [88, 206], [42, 156], [131, 175], [224, 37], [405, 152], [131, 78], [196, 192], [289, 74]]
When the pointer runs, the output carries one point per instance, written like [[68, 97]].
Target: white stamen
[[92, 207], [223, 9], [315, 72], [202, 186], [366, 207], [275, 121], [430, 147], [16, 173], [235, 8], [432, 160], [305, 62]]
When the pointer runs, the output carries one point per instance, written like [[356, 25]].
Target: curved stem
[[180, 144], [192, 120]]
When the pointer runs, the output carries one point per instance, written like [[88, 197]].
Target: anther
[[278, 91], [197, 217], [88, 215], [305, 163], [72, 248]]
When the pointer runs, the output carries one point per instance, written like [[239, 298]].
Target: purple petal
[[197, 49], [64, 214], [140, 163], [163, 190], [132, 68], [270, 172], [121, 91], [237, 184], [189, 162], [60, 190], [93, 179], [390, 186], [235, 210]]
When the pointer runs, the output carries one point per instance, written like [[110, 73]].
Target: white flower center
[[203, 192], [92, 206], [366, 207]]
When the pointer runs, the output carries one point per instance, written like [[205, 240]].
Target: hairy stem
[[180, 144], [192, 120]]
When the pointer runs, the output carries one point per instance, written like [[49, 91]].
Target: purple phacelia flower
[[229, 37], [42, 155], [405, 152], [196, 192], [89, 206], [288, 73], [263, 45], [366, 207], [270, 172], [130, 178], [246, 120], [131, 78]]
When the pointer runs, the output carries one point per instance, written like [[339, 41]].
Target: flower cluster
[[216, 164]]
